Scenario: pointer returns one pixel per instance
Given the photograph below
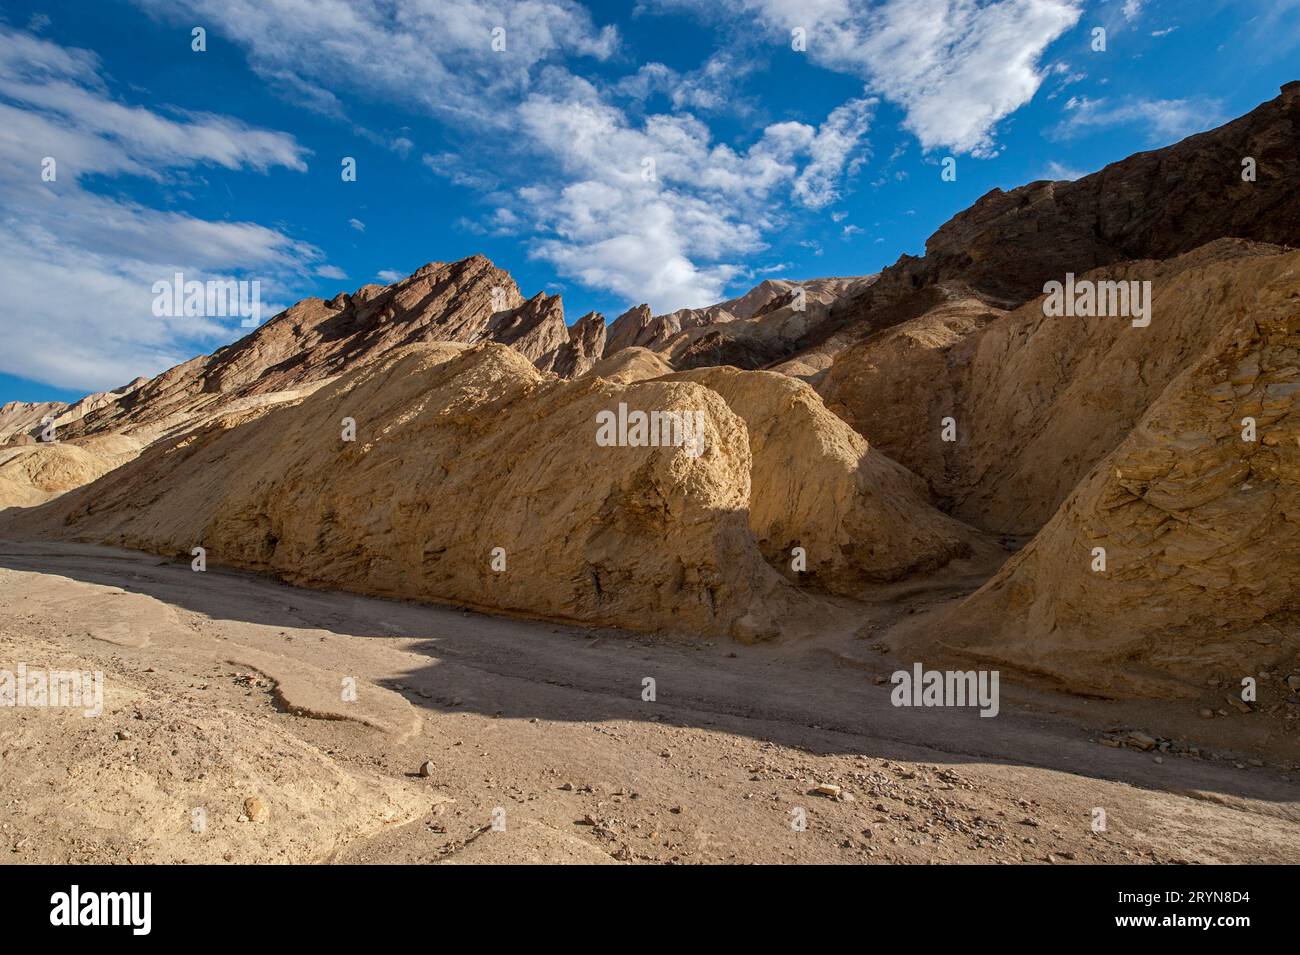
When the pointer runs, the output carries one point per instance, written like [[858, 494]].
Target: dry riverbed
[[227, 735]]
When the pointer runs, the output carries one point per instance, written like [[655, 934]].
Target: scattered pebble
[[256, 809]]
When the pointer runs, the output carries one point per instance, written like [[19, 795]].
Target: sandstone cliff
[[1194, 513], [1036, 401], [585, 344]]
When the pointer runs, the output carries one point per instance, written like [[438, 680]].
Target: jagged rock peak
[[583, 349]]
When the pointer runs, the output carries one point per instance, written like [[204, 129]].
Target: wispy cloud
[[1055, 170], [712, 87], [956, 67], [78, 267], [56, 96], [439, 55], [567, 154], [1163, 120], [643, 204]]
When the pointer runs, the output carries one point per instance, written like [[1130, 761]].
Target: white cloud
[[389, 276], [55, 96], [501, 221], [656, 211], [832, 152], [436, 54], [1164, 121], [454, 168], [357, 224], [1067, 79], [1056, 171], [78, 268], [956, 67], [712, 87], [331, 272], [673, 242]]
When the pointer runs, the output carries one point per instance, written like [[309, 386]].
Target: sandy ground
[[225, 737]]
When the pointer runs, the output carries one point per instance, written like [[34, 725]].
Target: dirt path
[[220, 687]]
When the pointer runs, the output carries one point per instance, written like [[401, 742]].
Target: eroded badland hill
[[1063, 445]]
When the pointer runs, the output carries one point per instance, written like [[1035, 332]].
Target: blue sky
[[767, 161]]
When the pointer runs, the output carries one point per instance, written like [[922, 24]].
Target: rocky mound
[[859, 517], [315, 341], [637, 327], [33, 474], [900, 384], [631, 364], [784, 324], [1196, 512], [24, 418], [458, 452], [1037, 401], [476, 479], [24, 423]]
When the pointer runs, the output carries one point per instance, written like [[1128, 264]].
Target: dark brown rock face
[[583, 349], [761, 328], [1152, 205], [630, 328], [637, 327], [534, 329], [468, 301]]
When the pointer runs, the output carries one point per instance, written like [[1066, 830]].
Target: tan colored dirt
[[548, 724]]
